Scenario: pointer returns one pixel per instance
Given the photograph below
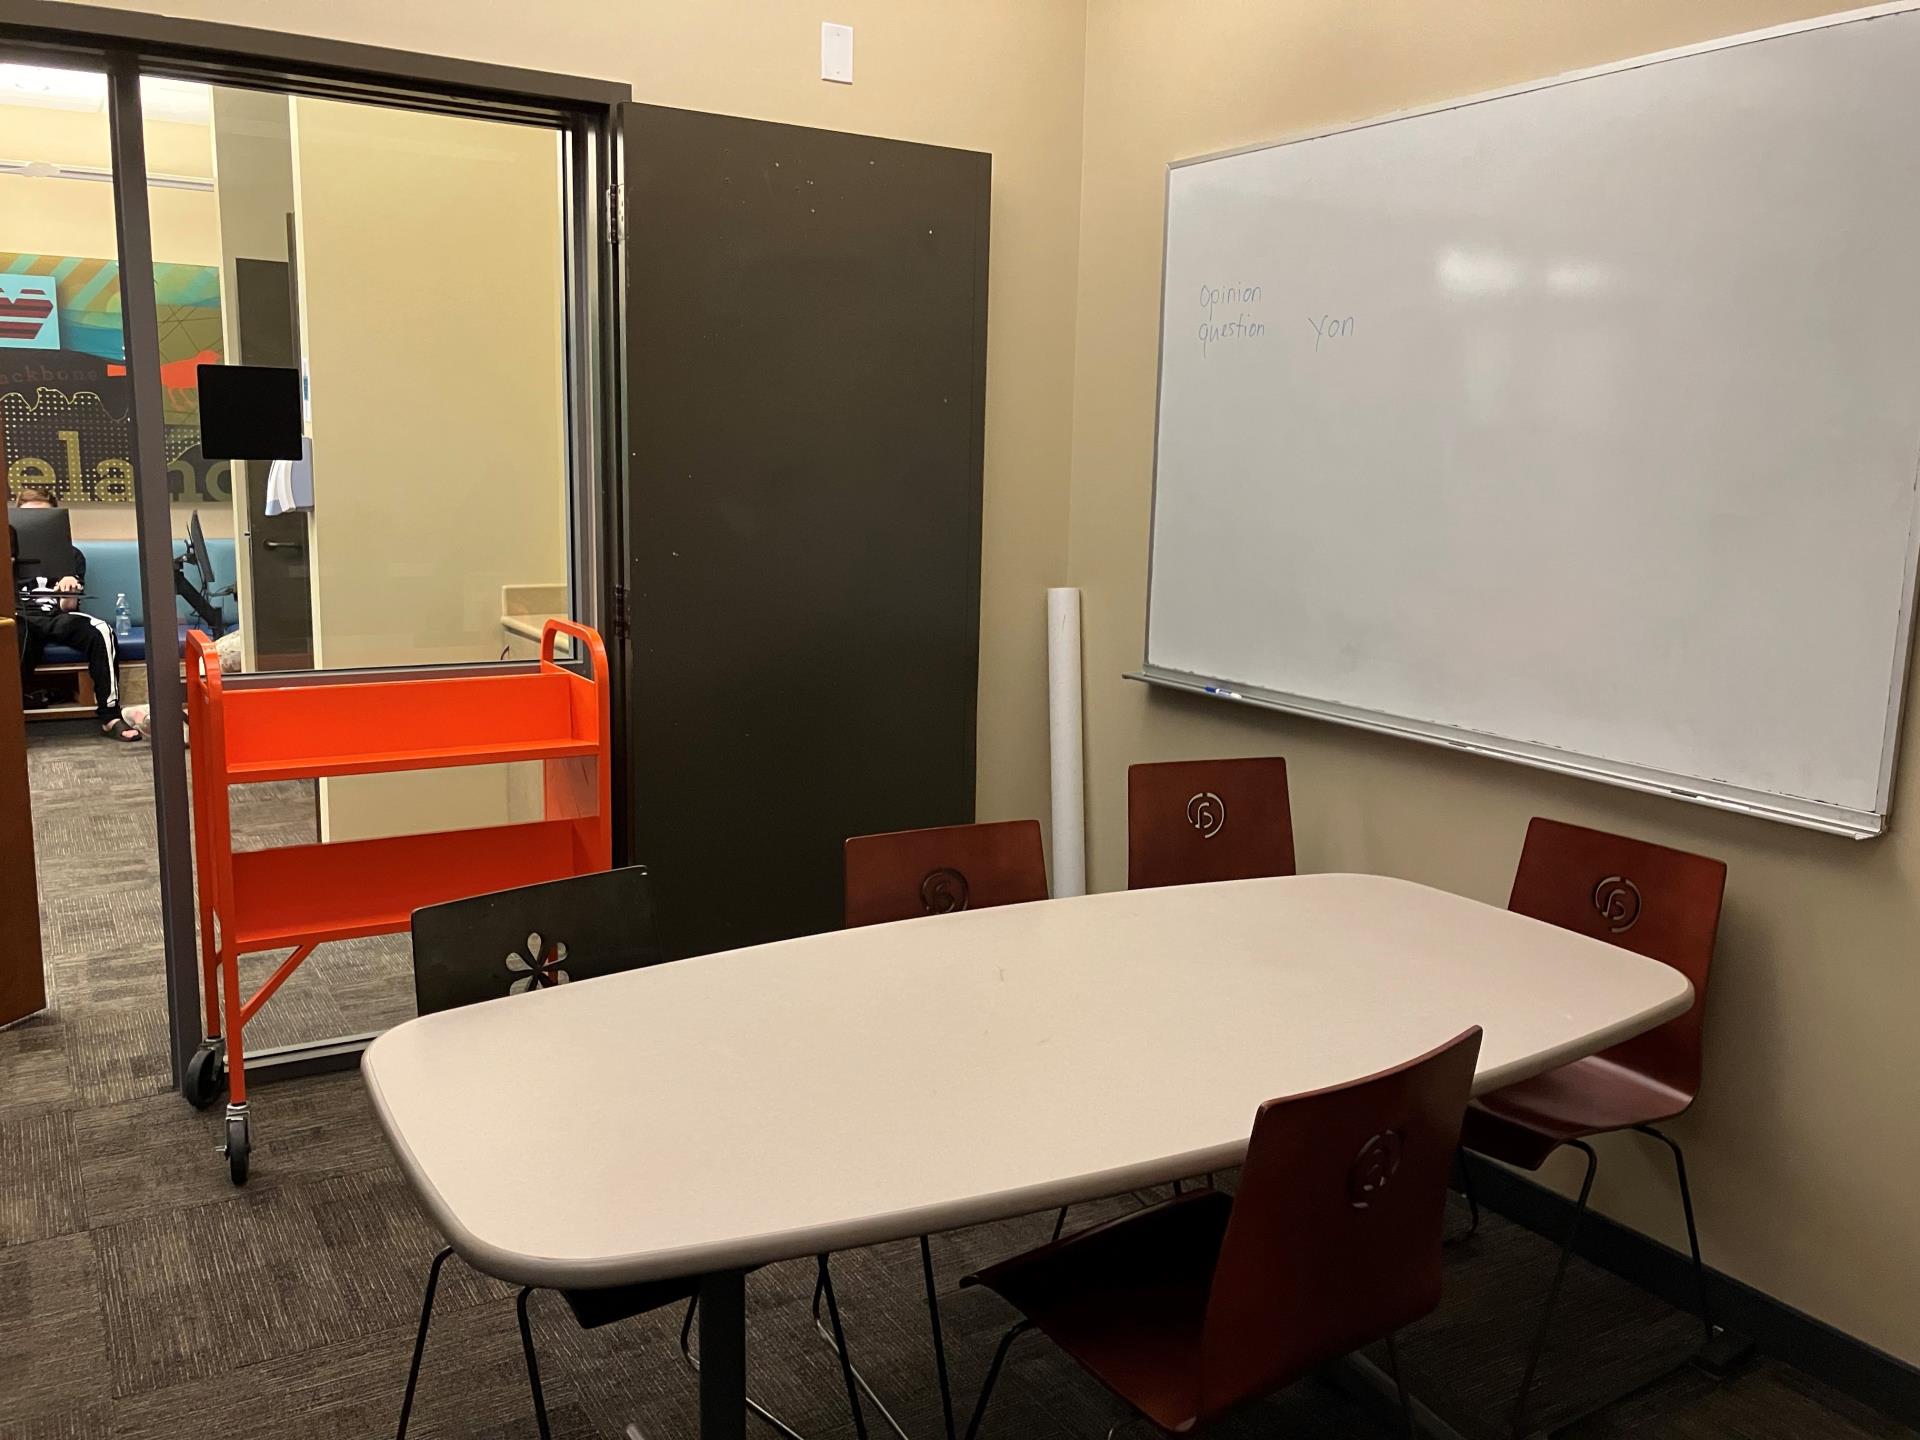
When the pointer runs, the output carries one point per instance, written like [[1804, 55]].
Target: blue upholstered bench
[[113, 569]]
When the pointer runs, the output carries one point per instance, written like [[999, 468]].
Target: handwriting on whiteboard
[[1227, 316], [1330, 327]]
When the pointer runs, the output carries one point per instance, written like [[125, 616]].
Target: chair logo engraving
[[1373, 1169], [943, 891], [1207, 813], [1618, 901], [539, 968]]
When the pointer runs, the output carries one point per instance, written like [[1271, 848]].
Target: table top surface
[[874, 1084]]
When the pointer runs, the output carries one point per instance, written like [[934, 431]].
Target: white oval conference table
[[715, 1114]]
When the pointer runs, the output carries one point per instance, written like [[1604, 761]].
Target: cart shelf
[[299, 896], [308, 894], [300, 733]]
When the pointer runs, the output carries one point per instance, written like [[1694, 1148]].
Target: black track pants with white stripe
[[91, 636]]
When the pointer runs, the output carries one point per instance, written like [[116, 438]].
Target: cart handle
[[203, 661], [585, 634]]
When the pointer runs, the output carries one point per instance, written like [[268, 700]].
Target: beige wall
[[252, 133], [440, 466], [997, 75], [75, 217], [1803, 1148]]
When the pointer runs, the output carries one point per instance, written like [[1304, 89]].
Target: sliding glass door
[[425, 264], [410, 267]]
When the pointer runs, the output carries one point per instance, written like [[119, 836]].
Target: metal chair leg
[[1060, 1222], [533, 1365], [837, 1344], [993, 1374], [939, 1338], [1553, 1290], [825, 1286], [420, 1340], [1693, 1234], [693, 1364], [1400, 1387]]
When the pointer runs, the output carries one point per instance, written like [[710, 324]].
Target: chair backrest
[[1657, 902], [954, 867], [1195, 820], [514, 941], [1334, 1237]]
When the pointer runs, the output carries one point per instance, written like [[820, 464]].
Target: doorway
[[455, 387], [99, 1034]]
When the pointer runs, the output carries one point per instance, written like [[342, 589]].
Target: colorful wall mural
[[64, 395]]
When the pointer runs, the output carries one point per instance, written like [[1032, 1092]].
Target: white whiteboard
[[1577, 424]]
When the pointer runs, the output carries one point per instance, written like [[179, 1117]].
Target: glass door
[[67, 455], [408, 274], [422, 249]]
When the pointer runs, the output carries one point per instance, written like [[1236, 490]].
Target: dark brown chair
[[909, 873], [905, 874], [1657, 902], [1190, 821], [1195, 820], [1191, 1308]]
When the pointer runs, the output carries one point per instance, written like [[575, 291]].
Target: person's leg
[[93, 638], [33, 644]]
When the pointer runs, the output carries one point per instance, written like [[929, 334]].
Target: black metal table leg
[[939, 1337], [723, 1356]]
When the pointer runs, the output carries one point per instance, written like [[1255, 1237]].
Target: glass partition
[[411, 267], [404, 273]]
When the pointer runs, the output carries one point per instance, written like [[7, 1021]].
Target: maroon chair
[[1195, 1306], [910, 873], [1195, 820], [1657, 902], [1190, 821]]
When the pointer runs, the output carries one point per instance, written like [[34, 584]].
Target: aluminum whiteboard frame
[[1788, 809]]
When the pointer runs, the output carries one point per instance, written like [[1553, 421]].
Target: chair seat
[[1128, 1300], [594, 1308], [1526, 1122]]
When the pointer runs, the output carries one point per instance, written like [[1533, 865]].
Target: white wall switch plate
[[836, 53]]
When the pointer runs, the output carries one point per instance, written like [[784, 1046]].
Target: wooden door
[[23, 987]]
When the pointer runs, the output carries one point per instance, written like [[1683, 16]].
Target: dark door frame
[[128, 44]]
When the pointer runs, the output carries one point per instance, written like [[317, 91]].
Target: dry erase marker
[[1219, 690]]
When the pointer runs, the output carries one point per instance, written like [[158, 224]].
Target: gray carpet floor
[[141, 1295]]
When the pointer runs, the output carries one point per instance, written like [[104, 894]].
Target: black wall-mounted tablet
[[249, 412]]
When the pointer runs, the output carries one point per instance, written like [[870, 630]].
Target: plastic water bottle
[[122, 618]]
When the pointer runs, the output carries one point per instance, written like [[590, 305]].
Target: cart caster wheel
[[239, 1147], [204, 1078]]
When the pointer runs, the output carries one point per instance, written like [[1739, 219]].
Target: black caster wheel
[[204, 1077], [239, 1147]]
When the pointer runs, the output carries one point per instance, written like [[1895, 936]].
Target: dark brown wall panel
[[807, 351]]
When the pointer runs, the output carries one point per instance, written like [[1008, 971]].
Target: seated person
[[46, 619]]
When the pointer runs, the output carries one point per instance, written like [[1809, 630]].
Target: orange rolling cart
[[301, 896]]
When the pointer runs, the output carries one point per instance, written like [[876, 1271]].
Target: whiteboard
[[1577, 424]]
